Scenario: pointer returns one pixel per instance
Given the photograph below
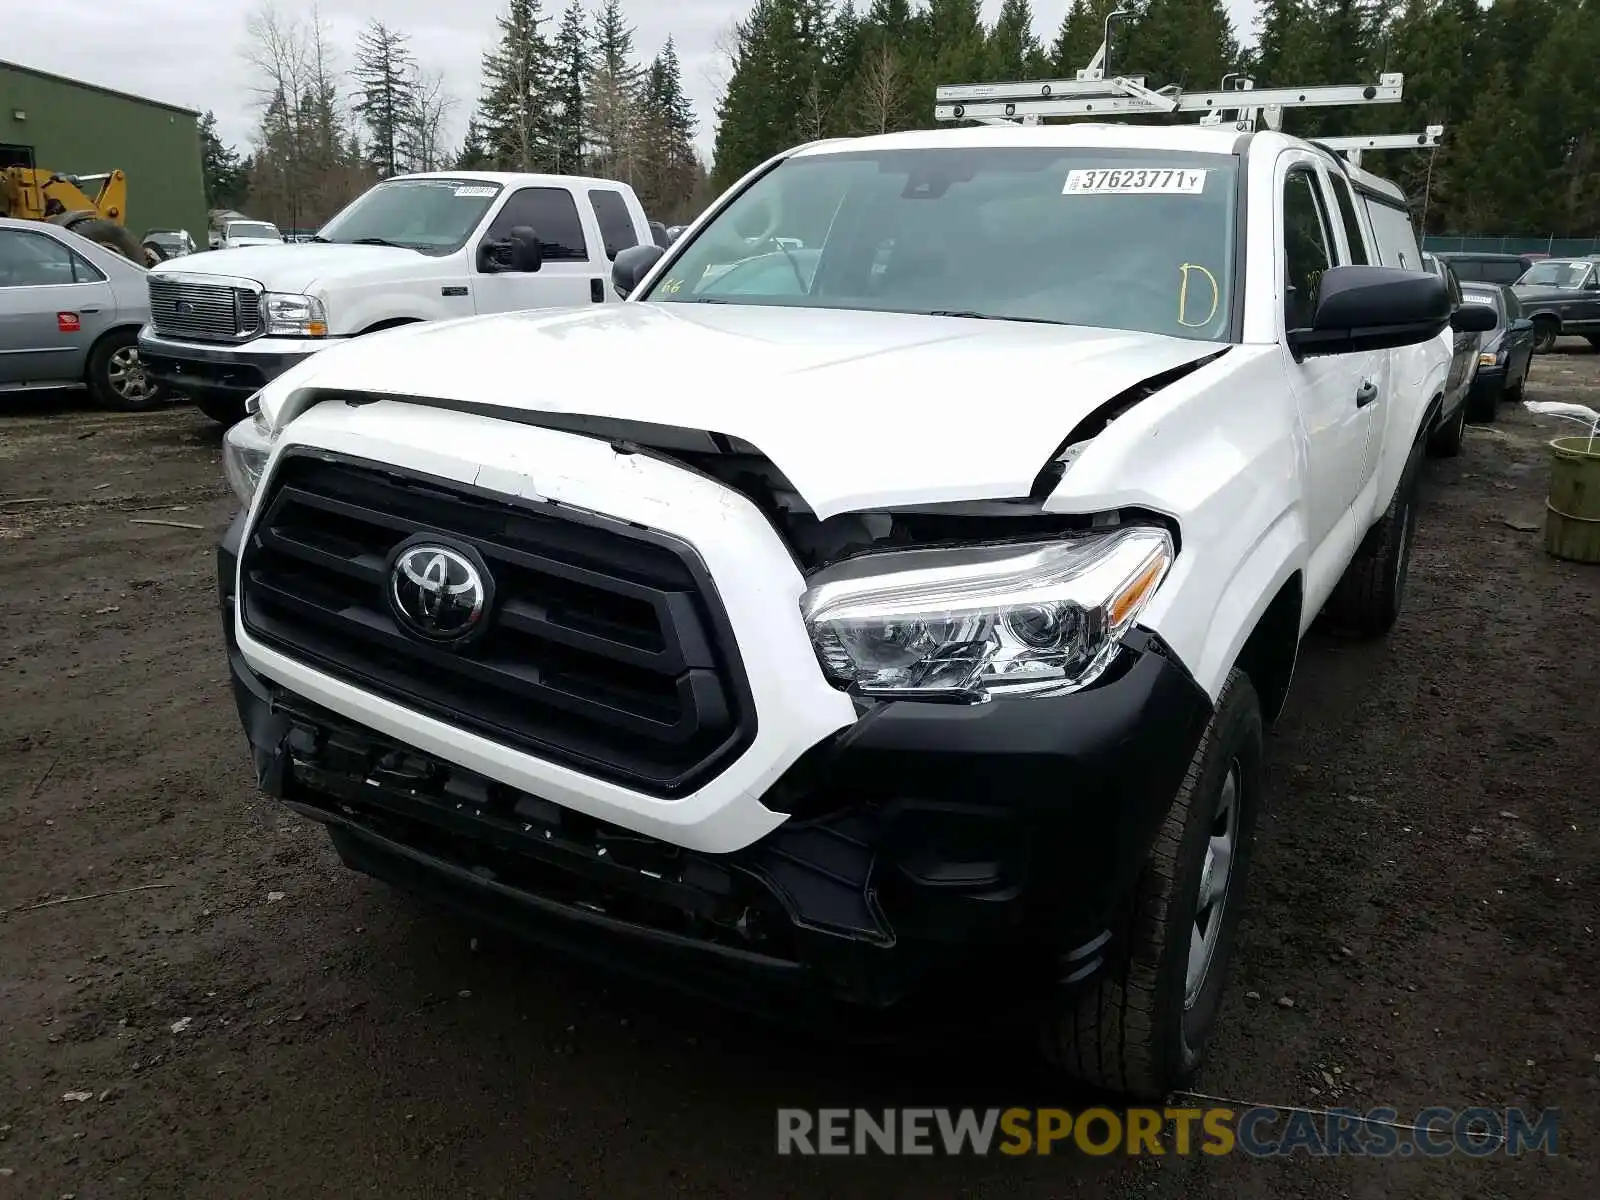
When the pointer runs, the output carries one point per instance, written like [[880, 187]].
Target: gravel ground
[[259, 1022]]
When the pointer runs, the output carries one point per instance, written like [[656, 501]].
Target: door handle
[[597, 291], [1366, 393]]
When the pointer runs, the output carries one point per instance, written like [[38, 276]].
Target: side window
[[553, 216], [38, 260], [1307, 249], [1352, 223], [1513, 305], [616, 226]]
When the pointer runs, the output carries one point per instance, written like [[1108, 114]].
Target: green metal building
[[75, 128]]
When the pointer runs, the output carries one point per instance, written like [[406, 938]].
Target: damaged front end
[[929, 848]]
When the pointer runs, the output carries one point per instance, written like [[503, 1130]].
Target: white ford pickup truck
[[421, 247], [888, 599]]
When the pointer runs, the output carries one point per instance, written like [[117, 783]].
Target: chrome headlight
[[1019, 619], [293, 315], [245, 449]]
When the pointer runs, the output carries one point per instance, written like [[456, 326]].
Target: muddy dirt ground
[[259, 1022]]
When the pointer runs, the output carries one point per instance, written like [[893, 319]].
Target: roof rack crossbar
[[1027, 102]]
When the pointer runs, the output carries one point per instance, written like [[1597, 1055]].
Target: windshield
[[253, 229], [1118, 239], [435, 216], [1483, 296], [1556, 274]]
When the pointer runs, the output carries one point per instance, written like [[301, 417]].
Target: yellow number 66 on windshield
[[1184, 270]]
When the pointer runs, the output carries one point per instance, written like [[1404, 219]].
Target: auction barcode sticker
[[1140, 181], [474, 192]]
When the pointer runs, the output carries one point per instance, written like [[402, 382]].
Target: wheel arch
[[389, 323], [1269, 654], [105, 336]]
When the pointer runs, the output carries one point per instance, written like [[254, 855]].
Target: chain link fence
[[1553, 246]]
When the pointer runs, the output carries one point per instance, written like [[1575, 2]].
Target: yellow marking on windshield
[[1183, 295]]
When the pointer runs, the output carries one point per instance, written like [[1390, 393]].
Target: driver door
[[572, 271], [1337, 395]]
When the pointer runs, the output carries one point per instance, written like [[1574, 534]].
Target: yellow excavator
[[92, 206]]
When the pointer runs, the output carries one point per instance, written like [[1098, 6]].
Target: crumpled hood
[[857, 409], [292, 266]]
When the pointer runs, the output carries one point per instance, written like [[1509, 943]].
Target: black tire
[[225, 410], [112, 236], [1545, 332], [1594, 342], [116, 378], [1513, 391], [1483, 408], [1133, 1031], [1446, 441], [1369, 596], [153, 254]]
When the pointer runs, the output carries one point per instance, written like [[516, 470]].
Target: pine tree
[[475, 155], [1190, 43], [751, 101], [386, 95], [669, 170], [615, 88], [1082, 31], [570, 52], [1014, 51], [515, 110], [225, 176]]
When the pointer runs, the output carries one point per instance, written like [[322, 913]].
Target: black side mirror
[[1374, 308], [631, 265], [1473, 318], [1521, 325], [526, 253]]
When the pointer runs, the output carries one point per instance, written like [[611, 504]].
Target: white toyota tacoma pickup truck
[[422, 247], [884, 603]]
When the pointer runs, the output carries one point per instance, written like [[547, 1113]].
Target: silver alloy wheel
[[126, 375], [1215, 876]]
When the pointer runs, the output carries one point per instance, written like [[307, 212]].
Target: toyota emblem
[[439, 593]]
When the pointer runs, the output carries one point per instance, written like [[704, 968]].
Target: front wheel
[[226, 410], [116, 377], [1544, 336], [1143, 1028], [1446, 441]]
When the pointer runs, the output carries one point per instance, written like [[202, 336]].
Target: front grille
[[606, 646], [209, 311]]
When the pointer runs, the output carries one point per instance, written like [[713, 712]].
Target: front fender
[[1219, 452]]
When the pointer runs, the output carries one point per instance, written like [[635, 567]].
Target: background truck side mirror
[[631, 265]]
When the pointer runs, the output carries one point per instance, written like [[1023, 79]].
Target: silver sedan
[[70, 312]]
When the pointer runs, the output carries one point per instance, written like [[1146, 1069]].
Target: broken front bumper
[[982, 847]]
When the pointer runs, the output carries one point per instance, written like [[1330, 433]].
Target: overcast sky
[[188, 51]]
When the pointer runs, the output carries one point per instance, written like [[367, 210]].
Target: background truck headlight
[[1032, 618], [245, 449], [288, 314]]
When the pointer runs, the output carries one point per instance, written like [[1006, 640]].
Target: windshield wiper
[[317, 237], [983, 316], [377, 241]]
